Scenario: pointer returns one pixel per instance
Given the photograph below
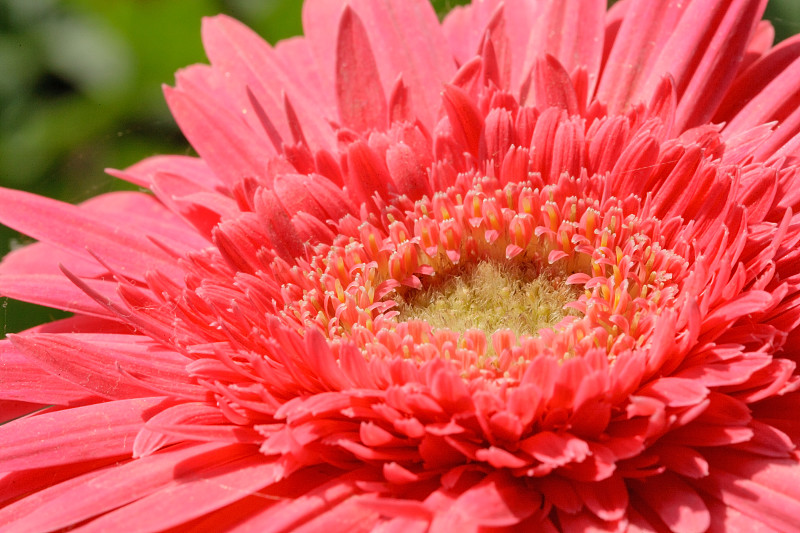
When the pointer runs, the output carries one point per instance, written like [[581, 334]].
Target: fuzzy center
[[491, 296]]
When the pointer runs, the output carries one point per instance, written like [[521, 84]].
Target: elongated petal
[[234, 48], [226, 145], [77, 229], [24, 380], [91, 361], [572, 32], [645, 28], [102, 490], [228, 481], [715, 71], [191, 168], [362, 103], [58, 292], [405, 38], [90, 432]]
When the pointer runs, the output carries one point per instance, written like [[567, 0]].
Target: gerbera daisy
[[534, 268]]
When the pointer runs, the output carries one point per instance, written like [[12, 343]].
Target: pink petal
[[726, 518], [251, 62], [77, 229], [572, 32], [58, 292], [585, 521], [150, 217], [463, 27], [191, 168], [200, 208], [520, 17], [349, 515], [761, 42], [42, 258], [297, 58], [715, 373], [406, 39], [23, 483], [318, 493], [743, 304], [222, 139], [767, 441], [550, 86], [150, 439], [780, 62], [79, 434], [234, 475], [683, 460], [408, 175], [555, 449], [362, 103], [82, 324], [25, 381], [646, 26], [701, 94], [11, 409], [96, 492], [92, 361]]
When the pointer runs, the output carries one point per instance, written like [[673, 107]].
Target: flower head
[[534, 267]]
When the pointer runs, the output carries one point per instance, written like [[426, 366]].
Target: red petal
[[765, 489], [675, 502], [608, 499], [465, 119], [497, 501], [675, 392], [278, 225]]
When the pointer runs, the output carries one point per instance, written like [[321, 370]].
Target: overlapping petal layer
[[239, 359]]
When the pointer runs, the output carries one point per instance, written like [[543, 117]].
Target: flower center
[[490, 296], [488, 276]]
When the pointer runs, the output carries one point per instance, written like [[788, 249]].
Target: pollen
[[491, 296]]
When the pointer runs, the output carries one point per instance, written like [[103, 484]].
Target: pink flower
[[250, 349]]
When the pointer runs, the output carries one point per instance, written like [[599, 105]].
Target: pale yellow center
[[489, 297]]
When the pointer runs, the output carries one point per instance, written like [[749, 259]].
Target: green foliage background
[[80, 90]]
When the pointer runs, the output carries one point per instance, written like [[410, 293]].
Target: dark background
[[80, 90]]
